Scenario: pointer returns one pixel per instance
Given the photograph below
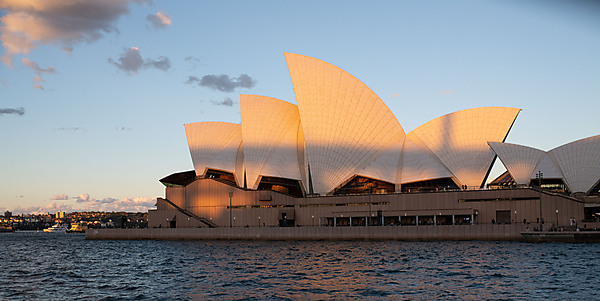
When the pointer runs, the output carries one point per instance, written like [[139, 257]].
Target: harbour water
[[51, 266]]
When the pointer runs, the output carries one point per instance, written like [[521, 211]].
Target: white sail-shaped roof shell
[[419, 163], [520, 161], [346, 126], [460, 139], [579, 162], [548, 167], [214, 145], [386, 166], [270, 135]]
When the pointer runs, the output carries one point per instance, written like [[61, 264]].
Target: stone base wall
[[402, 233]]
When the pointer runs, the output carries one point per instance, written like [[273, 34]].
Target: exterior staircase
[[203, 220]]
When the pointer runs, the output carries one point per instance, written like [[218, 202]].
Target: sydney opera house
[[340, 158]]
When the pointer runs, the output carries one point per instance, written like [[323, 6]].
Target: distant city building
[[7, 214], [340, 157]]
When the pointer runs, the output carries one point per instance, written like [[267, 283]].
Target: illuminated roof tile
[[270, 135], [346, 126], [579, 162], [419, 163], [213, 145], [460, 139], [520, 161]]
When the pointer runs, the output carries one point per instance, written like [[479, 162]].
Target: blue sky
[[83, 126]]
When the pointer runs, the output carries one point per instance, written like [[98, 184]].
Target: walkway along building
[[340, 158]]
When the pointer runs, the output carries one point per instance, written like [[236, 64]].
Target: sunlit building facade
[[339, 157], [573, 167]]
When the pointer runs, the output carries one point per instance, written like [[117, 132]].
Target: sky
[[94, 94]]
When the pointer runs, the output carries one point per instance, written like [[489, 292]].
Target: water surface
[[51, 266]]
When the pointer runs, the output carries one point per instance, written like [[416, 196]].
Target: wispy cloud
[[27, 25], [447, 92], [9, 111], [161, 63], [69, 129], [228, 102], [52, 208], [222, 82], [159, 20], [193, 61], [134, 204], [38, 71], [60, 197], [395, 95], [131, 62], [84, 197], [84, 202]]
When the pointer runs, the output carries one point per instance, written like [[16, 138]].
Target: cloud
[[160, 20], [191, 59], [82, 198], [131, 61], [38, 70], [52, 208], [107, 200], [64, 23], [69, 129], [395, 95], [16, 111], [447, 92], [61, 196], [223, 82], [137, 204], [161, 63], [87, 203], [194, 62], [228, 102]]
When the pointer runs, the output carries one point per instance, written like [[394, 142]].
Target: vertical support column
[[453, 220], [350, 221], [335, 221], [434, 220], [416, 220]]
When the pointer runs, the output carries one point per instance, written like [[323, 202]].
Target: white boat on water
[[57, 228]]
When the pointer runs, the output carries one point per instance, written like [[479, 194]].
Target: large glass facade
[[430, 185], [364, 185], [285, 186]]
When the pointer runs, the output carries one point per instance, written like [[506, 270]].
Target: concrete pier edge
[[491, 232]]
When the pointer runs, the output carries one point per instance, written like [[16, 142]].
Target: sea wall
[[406, 233]]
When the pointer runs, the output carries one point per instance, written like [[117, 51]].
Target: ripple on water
[[33, 265]]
